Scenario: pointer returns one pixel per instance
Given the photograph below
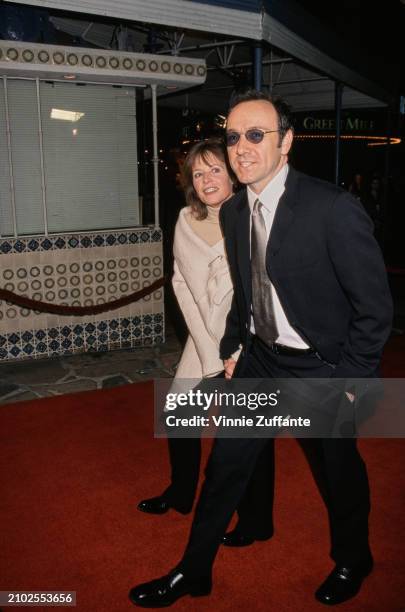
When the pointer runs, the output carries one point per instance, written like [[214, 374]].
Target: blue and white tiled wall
[[80, 270]]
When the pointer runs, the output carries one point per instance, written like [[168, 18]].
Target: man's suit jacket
[[326, 267]]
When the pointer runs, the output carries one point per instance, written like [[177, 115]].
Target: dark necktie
[[262, 302]]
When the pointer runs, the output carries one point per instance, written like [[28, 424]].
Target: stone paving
[[38, 378]]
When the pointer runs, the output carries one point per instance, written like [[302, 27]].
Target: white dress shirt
[[270, 197]]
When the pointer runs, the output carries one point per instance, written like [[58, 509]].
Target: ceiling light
[[65, 115]]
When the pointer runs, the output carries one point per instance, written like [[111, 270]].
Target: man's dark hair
[[283, 111]]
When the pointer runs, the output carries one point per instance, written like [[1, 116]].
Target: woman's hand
[[229, 366]]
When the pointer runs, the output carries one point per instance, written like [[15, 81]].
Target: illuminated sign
[[348, 124]]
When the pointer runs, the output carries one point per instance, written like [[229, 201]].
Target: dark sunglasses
[[254, 135]]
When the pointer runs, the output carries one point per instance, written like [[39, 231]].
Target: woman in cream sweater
[[203, 288]]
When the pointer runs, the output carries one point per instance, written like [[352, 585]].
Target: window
[[70, 161]]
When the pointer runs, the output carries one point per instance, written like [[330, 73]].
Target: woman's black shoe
[[154, 505]]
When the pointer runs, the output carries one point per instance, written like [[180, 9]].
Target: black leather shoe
[[238, 538], [343, 583], [154, 505], [168, 589]]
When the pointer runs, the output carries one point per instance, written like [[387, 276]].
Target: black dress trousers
[[337, 462], [255, 510]]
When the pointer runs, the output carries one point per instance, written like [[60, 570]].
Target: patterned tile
[[111, 239], [5, 247], [46, 244], [80, 269], [74, 241], [137, 332], [147, 331], [27, 336], [102, 338], [54, 333], [54, 346], [99, 241], [114, 336], [15, 351], [19, 246], [42, 348], [33, 245], [60, 243], [14, 338], [86, 242]]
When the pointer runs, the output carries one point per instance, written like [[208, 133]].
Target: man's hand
[[229, 366], [350, 396]]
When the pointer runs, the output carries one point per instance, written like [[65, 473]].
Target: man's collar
[[272, 192]]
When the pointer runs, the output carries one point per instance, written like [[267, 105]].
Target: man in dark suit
[[311, 301]]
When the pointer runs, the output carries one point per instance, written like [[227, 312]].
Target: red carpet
[[75, 466]]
